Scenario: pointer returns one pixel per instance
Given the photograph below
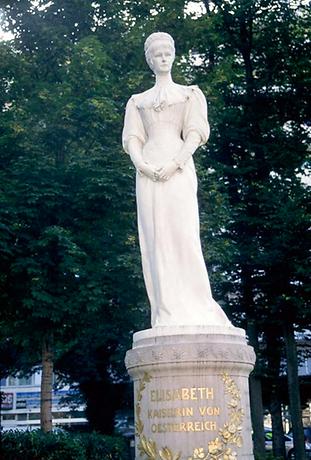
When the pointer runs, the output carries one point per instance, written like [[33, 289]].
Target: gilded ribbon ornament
[[217, 449], [230, 433]]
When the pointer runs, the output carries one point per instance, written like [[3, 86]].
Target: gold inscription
[[182, 394], [171, 412], [209, 411], [183, 427]]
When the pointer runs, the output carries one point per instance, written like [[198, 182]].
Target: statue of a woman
[[163, 127]]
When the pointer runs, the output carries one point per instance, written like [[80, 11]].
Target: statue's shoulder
[[141, 99], [172, 94], [185, 88], [192, 89]]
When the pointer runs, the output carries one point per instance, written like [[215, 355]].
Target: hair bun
[[156, 36]]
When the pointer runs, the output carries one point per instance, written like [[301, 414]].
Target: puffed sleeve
[[196, 116], [133, 125]]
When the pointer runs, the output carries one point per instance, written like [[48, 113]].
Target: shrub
[[268, 456], [36, 445]]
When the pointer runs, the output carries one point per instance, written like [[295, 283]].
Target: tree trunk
[[47, 383], [256, 397], [257, 416], [293, 391], [274, 347], [277, 425]]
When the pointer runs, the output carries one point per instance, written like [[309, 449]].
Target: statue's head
[[160, 52]]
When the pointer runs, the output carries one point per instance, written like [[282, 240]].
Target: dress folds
[[168, 219]]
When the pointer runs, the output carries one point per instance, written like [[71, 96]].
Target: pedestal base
[[191, 393]]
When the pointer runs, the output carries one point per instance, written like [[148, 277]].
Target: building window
[[308, 366], [58, 414], [21, 417], [8, 417], [25, 381], [3, 382], [77, 414], [12, 381], [19, 381]]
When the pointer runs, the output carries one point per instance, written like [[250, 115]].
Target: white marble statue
[[163, 128]]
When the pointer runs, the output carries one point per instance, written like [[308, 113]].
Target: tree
[[250, 60], [260, 140], [66, 255]]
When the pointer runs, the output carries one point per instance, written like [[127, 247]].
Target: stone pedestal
[[191, 393]]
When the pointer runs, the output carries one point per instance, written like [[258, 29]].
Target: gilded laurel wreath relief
[[220, 448], [148, 446]]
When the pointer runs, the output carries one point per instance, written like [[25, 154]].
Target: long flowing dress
[[174, 270]]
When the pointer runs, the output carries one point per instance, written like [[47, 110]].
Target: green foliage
[[68, 240], [69, 253], [268, 456], [66, 446]]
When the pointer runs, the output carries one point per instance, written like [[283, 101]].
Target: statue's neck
[[163, 80]]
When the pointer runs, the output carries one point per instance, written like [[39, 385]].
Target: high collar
[[162, 81], [159, 97], [168, 93]]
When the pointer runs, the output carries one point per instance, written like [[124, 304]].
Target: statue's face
[[161, 57]]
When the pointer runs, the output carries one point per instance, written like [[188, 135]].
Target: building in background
[[20, 407]]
